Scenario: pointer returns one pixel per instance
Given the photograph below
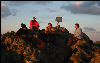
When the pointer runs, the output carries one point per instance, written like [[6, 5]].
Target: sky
[[86, 13]]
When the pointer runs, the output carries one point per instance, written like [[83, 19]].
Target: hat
[[23, 25], [49, 23], [34, 17]]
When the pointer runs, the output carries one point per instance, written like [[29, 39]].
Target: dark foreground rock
[[26, 50]]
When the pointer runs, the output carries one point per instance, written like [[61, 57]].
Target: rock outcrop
[[26, 49]]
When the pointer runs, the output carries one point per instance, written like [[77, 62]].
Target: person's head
[[34, 18], [59, 26], [23, 25], [76, 25], [62, 28], [43, 30], [49, 25]]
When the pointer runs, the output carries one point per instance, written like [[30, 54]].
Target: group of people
[[34, 26]]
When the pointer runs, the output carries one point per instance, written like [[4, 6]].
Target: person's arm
[[30, 23], [36, 23]]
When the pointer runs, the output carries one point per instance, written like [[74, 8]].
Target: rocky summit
[[49, 47]]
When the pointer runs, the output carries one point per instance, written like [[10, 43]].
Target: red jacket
[[34, 23]]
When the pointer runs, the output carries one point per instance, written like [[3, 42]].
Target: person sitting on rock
[[77, 34], [34, 25], [22, 31], [49, 28], [58, 28]]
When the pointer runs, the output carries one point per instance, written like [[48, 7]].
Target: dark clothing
[[72, 40], [22, 31]]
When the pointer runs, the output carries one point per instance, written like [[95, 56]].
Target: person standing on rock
[[77, 35], [34, 25]]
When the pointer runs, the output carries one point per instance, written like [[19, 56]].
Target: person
[[58, 28], [78, 31], [76, 36], [34, 25], [22, 31], [49, 28]]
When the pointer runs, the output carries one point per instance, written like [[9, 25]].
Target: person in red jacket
[[34, 25]]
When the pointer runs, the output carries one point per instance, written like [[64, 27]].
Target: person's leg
[[69, 41]]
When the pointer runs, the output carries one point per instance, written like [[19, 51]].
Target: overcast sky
[[86, 13]]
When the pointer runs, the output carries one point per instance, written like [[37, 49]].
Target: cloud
[[3, 5], [89, 29], [77, 3], [43, 2], [5, 11], [52, 10], [92, 33], [91, 8], [98, 32], [93, 36], [20, 3]]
